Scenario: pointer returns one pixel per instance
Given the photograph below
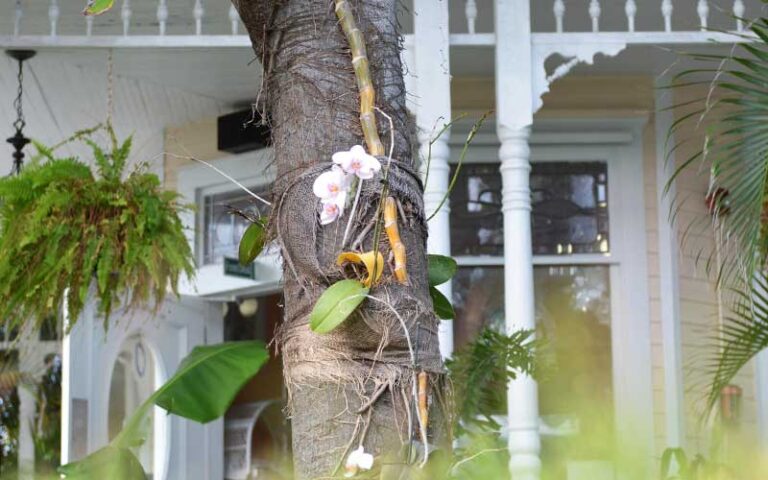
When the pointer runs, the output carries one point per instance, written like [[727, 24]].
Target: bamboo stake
[[393, 233], [363, 76]]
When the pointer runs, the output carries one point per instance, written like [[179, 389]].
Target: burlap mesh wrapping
[[370, 345]]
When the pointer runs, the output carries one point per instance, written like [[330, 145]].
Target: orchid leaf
[[336, 304], [443, 307], [252, 243], [440, 269]]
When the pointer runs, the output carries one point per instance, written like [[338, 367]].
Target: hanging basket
[[64, 224]]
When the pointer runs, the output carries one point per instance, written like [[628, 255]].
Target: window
[[224, 222], [9, 416], [570, 209], [569, 219]]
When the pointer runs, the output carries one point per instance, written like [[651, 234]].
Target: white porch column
[[433, 110], [514, 110]]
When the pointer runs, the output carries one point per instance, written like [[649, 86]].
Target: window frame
[[618, 142]]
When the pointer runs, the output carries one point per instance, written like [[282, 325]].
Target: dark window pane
[[476, 220], [478, 298], [570, 207], [576, 397], [573, 314], [569, 214], [222, 226], [49, 329], [9, 416]]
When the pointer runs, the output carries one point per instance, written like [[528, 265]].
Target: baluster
[[89, 25], [738, 12], [594, 12], [234, 19], [53, 16], [198, 13], [470, 10], [125, 16], [666, 11], [631, 10], [703, 10], [162, 15], [18, 13], [559, 10]]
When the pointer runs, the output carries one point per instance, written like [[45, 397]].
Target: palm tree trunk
[[354, 386]]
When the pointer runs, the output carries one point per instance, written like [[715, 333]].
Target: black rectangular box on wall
[[242, 131]]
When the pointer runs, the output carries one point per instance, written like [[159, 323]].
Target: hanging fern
[[64, 227]]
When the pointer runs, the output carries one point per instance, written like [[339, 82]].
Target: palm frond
[[728, 124], [743, 335]]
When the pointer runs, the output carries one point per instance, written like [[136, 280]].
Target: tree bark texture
[[354, 385]]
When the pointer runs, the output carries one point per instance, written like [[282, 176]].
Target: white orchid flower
[[330, 213], [357, 162], [358, 460], [330, 185]]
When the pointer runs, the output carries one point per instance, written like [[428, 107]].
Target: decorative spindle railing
[[129, 18], [572, 16], [205, 22]]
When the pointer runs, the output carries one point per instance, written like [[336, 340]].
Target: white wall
[[63, 95]]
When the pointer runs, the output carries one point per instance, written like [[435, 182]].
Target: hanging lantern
[[18, 140]]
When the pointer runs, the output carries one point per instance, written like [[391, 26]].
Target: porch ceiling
[[229, 75]]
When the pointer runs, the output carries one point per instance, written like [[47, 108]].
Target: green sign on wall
[[233, 268]]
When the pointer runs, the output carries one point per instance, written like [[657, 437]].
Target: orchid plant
[[333, 187]]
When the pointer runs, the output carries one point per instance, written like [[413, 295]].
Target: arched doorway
[[136, 373]]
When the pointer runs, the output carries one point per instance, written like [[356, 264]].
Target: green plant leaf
[[208, 379], [252, 243], [111, 462], [202, 389], [440, 269], [97, 7], [443, 307], [336, 304]]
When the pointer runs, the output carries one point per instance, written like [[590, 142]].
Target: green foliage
[[252, 242], [202, 389], [336, 304], [212, 368], [744, 334], [730, 115], [62, 226], [440, 269], [675, 465], [97, 7], [442, 306], [480, 370]]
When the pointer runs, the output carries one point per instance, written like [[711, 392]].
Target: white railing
[[209, 22], [655, 15], [57, 19]]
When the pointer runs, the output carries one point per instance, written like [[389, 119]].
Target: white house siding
[[61, 97]]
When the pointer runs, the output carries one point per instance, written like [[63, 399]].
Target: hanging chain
[[110, 89], [19, 123]]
